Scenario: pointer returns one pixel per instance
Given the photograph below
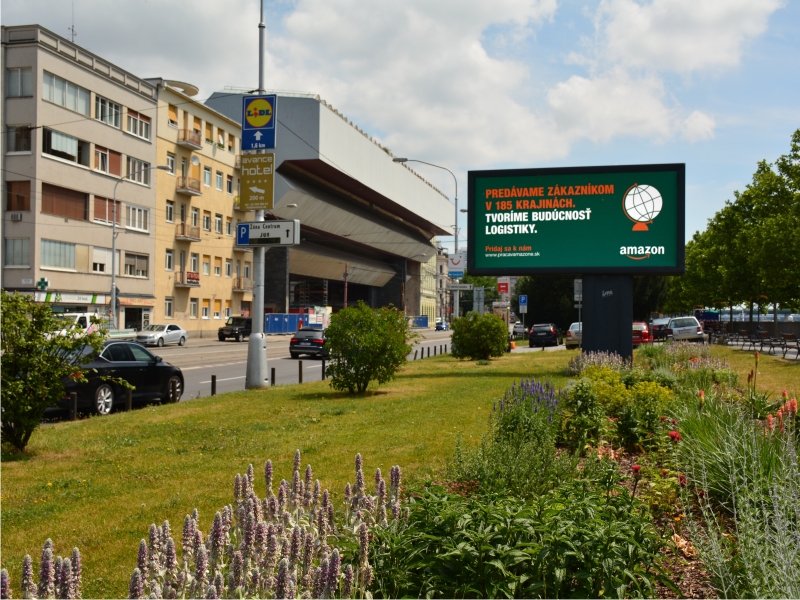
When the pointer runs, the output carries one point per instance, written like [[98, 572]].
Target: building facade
[[80, 133], [443, 305], [201, 277], [428, 292]]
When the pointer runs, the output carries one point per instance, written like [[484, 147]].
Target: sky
[[472, 85]]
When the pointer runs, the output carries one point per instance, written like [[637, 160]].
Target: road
[[200, 359]]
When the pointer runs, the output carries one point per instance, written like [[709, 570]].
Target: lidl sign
[[594, 220], [259, 116]]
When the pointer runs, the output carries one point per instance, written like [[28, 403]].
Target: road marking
[[212, 366], [226, 379]]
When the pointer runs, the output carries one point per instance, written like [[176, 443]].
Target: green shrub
[[479, 337], [639, 419], [583, 414], [660, 375], [366, 345], [607, 384]]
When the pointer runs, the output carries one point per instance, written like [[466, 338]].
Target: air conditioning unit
[[16, 216]]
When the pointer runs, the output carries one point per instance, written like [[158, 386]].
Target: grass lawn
[[99, 483]]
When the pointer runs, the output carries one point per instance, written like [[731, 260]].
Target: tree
[[36, 362], [550, 300], [479, 337], [489, 284], [366, 345]]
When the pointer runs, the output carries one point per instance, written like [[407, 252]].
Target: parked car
[[658, 327], [158, 335], [441, 326], [237, 328], [543, 334], [308, 341], [519, 328], [641, 334], [574, 335], [151, 377], [685, 328]]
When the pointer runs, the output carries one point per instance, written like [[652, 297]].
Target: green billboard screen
[[593, 220]]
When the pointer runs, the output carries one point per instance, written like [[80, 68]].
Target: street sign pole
[[257, 372]]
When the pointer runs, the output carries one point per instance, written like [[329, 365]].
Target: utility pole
[[256, 375], [346, 273]]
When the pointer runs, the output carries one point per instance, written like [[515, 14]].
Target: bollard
[[323, 370], [434, 350], [173, 396], [429, 351], [213, 385], [300, 370], [272, 376], [415, 355], [73, 400], [445, 348], [128, 399]]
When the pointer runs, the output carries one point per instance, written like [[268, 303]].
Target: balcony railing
[[189, 138], [187, 185], [187, 279], [242, 284], [242, 248], [186, 232], [238, 163]]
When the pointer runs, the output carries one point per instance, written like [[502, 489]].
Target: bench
[[771, 342], [790, 342], [749, 339]]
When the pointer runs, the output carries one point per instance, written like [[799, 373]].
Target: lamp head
[[399, 160]]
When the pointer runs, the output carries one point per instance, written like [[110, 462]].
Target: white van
[[685, 328]]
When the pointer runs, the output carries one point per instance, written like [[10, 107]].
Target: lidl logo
[[258, 113]]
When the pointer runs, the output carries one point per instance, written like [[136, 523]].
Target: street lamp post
[[455, 226], [114, 244]]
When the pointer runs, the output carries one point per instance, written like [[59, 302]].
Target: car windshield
[[155, 328], [308, 334], [77, 355], [237, 321], [540, 328], [575, 327], [639, 327]]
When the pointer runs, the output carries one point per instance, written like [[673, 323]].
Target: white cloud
[[680, 35], [698, 127]]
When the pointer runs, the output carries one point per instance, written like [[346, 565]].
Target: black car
[[308, 341], [237, 328], [151, 377], [543, 334]]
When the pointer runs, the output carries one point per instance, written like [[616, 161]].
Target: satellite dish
[[195, 161]]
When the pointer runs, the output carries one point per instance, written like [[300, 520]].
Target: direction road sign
[[262, 233], [257, 182], [478, 300], [459, 287], [259, 116], [578, 290]]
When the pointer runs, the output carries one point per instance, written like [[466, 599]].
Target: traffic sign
[[259, 116], [257, 182], [263, 233], [523, 304], [502, 287], [578, 290], [459, 287], [478, 300]]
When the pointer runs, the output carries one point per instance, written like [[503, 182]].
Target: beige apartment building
[[79, 131], [201, 277], [427, 302]]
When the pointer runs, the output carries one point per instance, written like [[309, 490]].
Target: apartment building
[[79, 133], [201, 277], [443, 308], [427, 302]]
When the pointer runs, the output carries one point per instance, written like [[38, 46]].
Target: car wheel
[[221, 338], [294, 354], [103, 399], [177, 380], [239, 337], [160, 342], [182, 341]]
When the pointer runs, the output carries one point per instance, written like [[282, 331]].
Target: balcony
[[242, 248], [187, 279], [238, 163], [242, 284], [189, 138], [188, 186], [187, 233]]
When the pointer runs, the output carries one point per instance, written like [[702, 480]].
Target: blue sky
[[470, 84]]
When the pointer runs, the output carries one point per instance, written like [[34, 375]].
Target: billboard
[[592, 220]]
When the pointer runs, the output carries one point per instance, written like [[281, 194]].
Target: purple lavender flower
[[322, 529], [257, 512], [381, 492], [217, 538], [170, 557], [260, 541], [237, 568], [219, 583], [5, 584], [251, 475], [296, 461], [317, 493], [77, 572], [347, 582], [330, 518], [271, 555], [282, 583], [195, 517], [28, 586], [268, 476], [363, 544], [153, 544], [201, 564], [282, 493], [136, 587], [46, 573], [286, 548], [188, 536], [359, 482], [211, 593], [395, 509], [321, 582], [198, 539], [366, 575], [237, 487], [308, 553], [348, 494], [334, 568], [378, 477], [274, 507], [296, 542], [65, 581], [142, 560], [166, 533], [359, 462]]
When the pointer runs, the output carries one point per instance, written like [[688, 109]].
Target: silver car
[[685, 328], [158, 335], [574, 333]]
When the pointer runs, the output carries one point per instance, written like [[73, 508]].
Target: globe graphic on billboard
[[642, 204]]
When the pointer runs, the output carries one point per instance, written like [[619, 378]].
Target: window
[[18, 195], [193, 308], [217, 266], [170, 212], [170, 163], [229, 185], [228, 268], [217, 309], [172, 119], [206, 220], [136, 264], [169, 260], [107, 111], [207, 176], [228, 226], [218, 223], [230, 142], [19, 82], [18, 252], [194, 263], [247, 270], [227, 308], [64, 202], [209, 130], [137, 218], [168, 307], [206, 308], [65, 146], [138, 171], [107, 161], [66, 94], [183, 167], [195, 217], [219, 181], [138, 125], [198, 124], [220, 138], [206, 265], [60, 255], [19, 138], [183, 213], [101, 260], [104, 210]]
